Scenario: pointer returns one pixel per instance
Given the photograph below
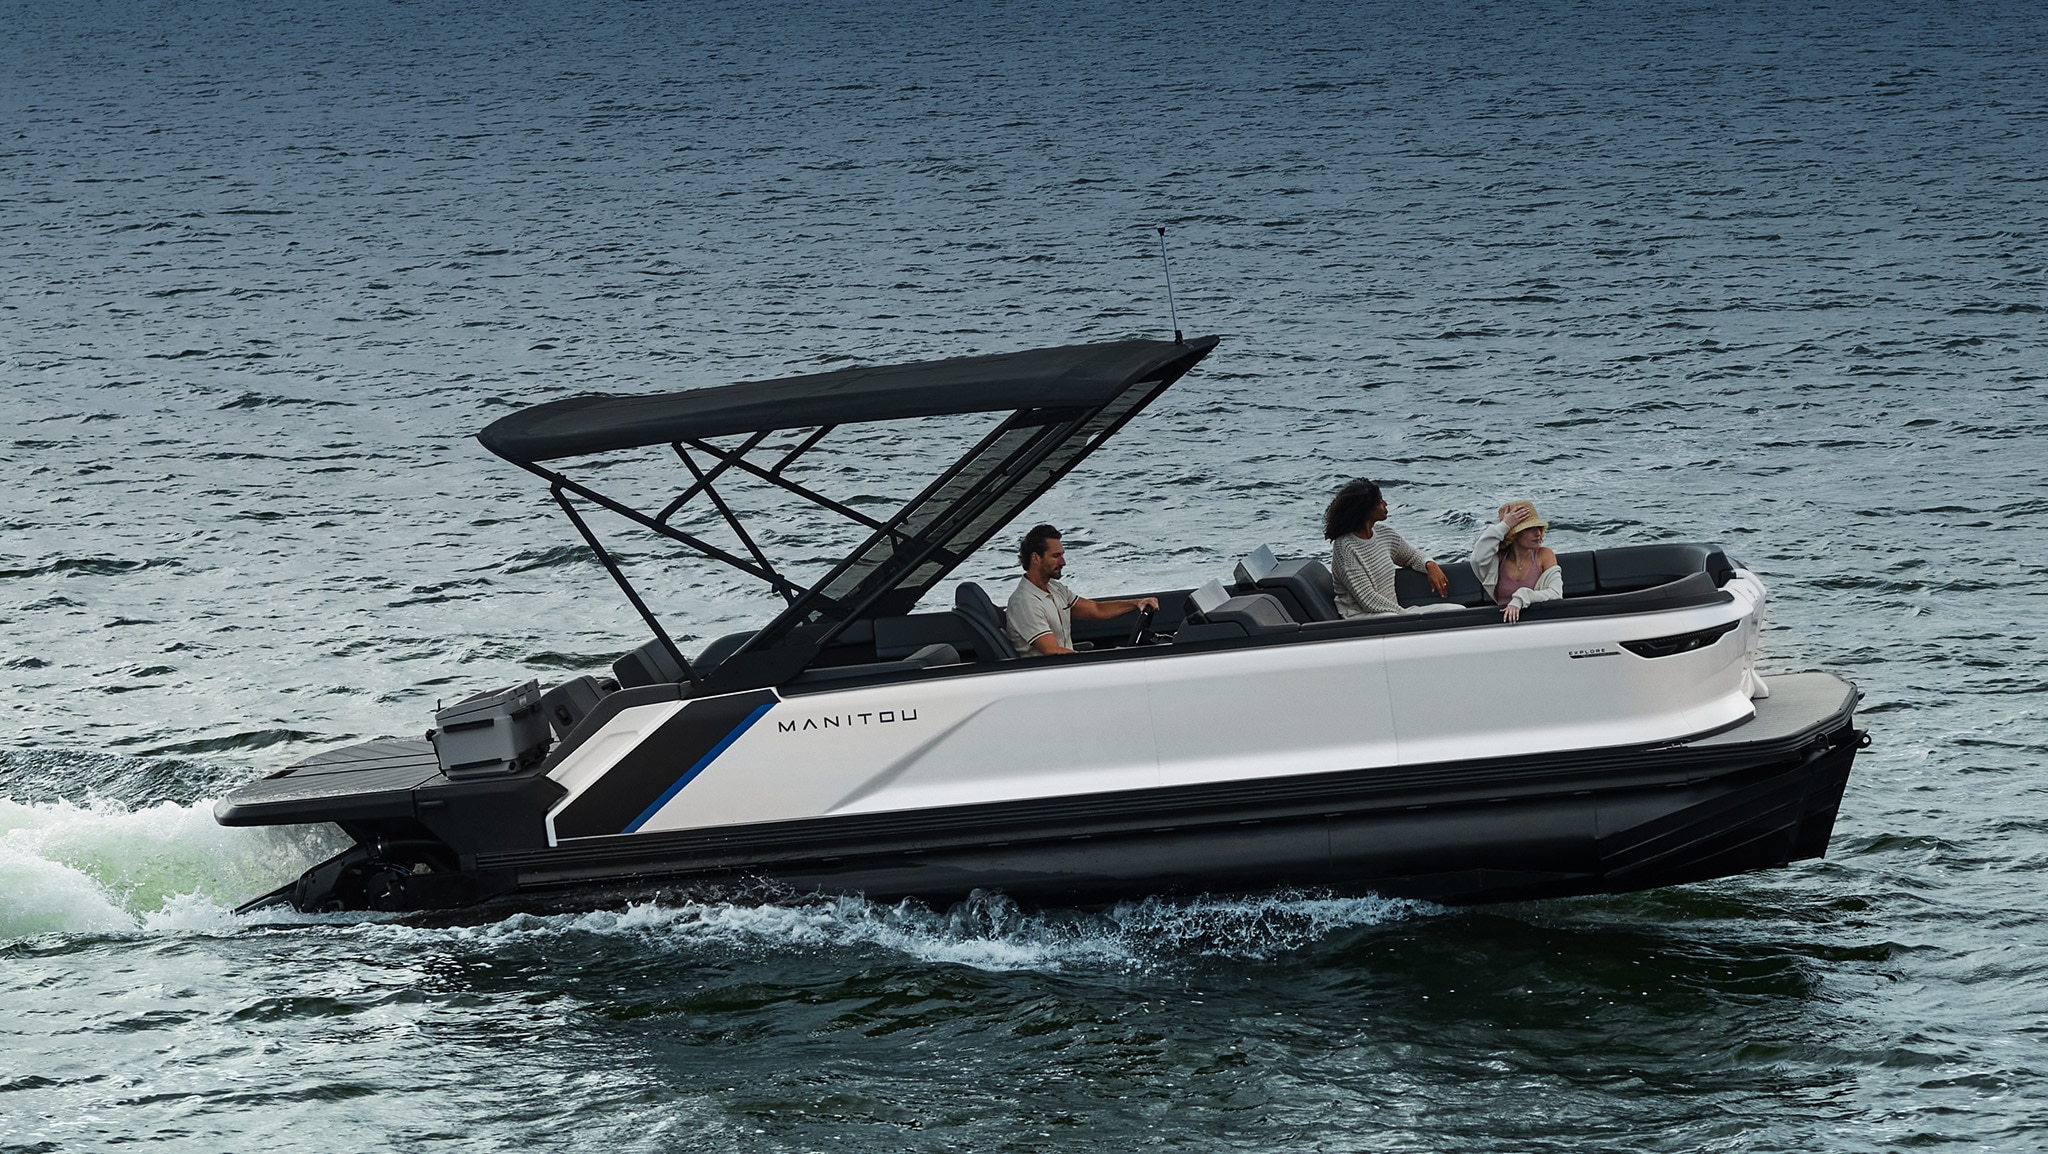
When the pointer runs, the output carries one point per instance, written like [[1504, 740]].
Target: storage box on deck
[[496, 731]]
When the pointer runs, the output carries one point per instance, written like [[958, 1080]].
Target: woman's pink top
[[1505, 588]]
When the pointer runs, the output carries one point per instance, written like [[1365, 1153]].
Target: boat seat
[[1581, 573], [1255, 567], [719, 650], [1302, 585], [571, 701], [1632, 567], [1580, 580], [1204, 597], [984, 622], [899, 637], [651, 664], [1213, 612], [925, 658], [1412, 587]]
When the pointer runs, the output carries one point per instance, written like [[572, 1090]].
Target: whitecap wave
[[107, 868]]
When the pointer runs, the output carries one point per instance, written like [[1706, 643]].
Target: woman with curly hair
[[1364, 550]]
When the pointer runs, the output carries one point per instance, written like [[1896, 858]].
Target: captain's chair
[[984, 622]]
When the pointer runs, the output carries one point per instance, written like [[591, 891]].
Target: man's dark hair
[[1034, 543], [1349, 508]]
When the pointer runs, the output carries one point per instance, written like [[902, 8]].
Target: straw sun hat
[[1533, 521]]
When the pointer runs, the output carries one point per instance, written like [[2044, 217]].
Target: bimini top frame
[[1062, 404]]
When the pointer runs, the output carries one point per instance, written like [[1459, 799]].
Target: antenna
[[1171, 312]]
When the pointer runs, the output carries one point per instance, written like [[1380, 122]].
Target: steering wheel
[[1141, 629]]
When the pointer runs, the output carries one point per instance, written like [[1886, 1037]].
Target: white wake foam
[[106, 868], [987, 932]]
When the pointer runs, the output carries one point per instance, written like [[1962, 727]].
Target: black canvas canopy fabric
[[1071, 376]]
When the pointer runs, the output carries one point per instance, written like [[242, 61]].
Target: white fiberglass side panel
[[596, 757], [1749, 589], [1549, 686], [1032, 730], [1269, 712]]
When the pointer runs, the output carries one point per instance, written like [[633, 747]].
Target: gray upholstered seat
[[985, 622], [1215, 613], [1304, 588], [651, 664]]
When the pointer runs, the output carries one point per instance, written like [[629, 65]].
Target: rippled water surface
[[1709, 272]]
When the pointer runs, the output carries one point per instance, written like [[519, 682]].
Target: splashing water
[[986, 932], [107, 868]]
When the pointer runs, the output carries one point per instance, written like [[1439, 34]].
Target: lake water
[[1706, 272]]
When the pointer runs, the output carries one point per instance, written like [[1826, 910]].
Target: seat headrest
[[1256, 565], [1209, 597], [969, 598]]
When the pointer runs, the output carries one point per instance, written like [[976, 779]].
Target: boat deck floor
[[1797, 700], [363, 780]]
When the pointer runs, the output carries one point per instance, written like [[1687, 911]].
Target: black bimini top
[[1070, 377], [1060, 404]]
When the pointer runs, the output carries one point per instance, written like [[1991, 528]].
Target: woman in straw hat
[[1509, 559]]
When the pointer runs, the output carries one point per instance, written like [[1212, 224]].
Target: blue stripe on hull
[[704, 762]]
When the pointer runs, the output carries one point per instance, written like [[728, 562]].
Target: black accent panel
[[643, 775], [1202, 631], [1680, 642], [497, 813]]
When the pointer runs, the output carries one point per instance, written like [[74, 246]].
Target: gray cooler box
[[496, 731]]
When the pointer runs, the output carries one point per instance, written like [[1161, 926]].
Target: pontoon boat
[[1243, 738]]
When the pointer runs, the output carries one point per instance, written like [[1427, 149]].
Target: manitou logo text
[[848, 720]]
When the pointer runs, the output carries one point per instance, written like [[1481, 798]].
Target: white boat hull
[[1475, 763]]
